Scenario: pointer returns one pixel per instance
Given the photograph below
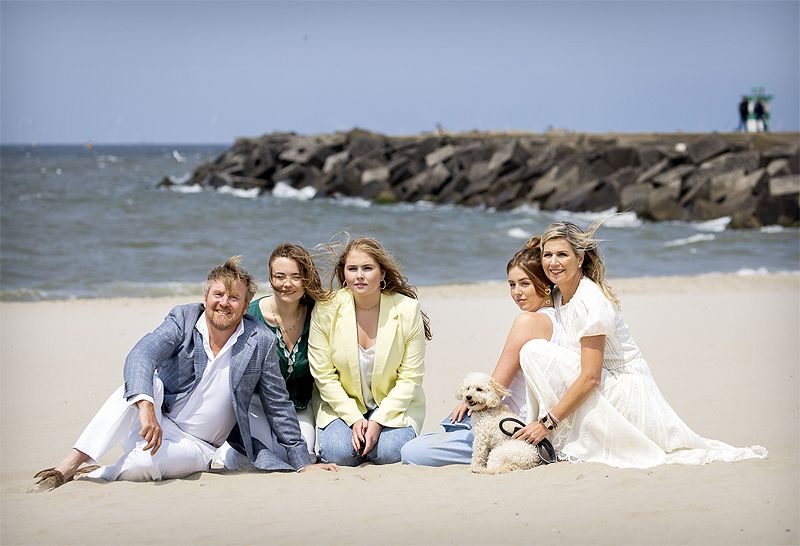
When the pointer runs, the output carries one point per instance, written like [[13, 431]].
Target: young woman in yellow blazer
[[367, 355]]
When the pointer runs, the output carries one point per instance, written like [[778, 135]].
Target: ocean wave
[[252, 193], [180, 178], [282, 190], [348, 201], [717, 225], [699, 238], [527, 208], [747, 272], [30, 197], [772, 229], [518, 233], [107, 158], [612, 218], [193, 188]]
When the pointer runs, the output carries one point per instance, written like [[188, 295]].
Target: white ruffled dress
[[626, 422]]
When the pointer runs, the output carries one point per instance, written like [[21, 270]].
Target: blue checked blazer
[[175, 350]]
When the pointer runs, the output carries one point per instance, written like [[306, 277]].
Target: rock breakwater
[[754, 179]]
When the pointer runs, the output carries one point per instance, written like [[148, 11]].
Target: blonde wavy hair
[[229, 274], [393, 280], [583, 244]]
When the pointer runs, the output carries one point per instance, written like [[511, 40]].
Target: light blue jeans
[[454, 446], [336, 444]]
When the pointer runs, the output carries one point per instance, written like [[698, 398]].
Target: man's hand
[[151, 430], [371, 436], [328, 467], [359, 430]]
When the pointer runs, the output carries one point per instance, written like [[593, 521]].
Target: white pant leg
[[117, 422]]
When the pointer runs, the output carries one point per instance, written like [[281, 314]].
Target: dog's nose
[[469, 397]]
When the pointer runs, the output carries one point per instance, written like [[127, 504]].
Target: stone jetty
[[753, 178]]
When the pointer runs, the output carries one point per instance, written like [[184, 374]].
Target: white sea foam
[[699, 238], [746, 272], [772, 229], [178, 157], [282, 190], [612, 218], [252, 193], [518, 233], [527, 208], [180, 178], [192, 188], [352, 201], [108, 158], [717, 225]]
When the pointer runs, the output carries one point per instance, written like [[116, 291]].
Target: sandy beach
[[724, 350]]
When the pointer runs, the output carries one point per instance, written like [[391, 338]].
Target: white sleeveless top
[[519, 402]]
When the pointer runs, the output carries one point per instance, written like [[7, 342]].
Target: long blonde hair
[[584, 244], [393, 280]]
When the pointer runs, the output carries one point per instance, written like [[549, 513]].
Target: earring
[[383, 284], [547, 300]]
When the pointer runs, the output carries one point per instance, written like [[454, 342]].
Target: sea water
[[80, 222]]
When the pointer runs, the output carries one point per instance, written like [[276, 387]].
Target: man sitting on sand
[[189, 383]]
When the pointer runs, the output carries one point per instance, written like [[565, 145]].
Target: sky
[[209, 72]]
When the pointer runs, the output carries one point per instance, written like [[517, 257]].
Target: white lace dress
[[626, 422]]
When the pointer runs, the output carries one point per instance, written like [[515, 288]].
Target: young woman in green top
[[296, 287]]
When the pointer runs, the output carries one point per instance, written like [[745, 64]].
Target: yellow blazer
[[399, 362]]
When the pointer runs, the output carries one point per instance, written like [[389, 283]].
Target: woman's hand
[[371, 437], [533, 433], [459, 412], [359, 433]]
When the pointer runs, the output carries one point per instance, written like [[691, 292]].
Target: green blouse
[[294, 363]]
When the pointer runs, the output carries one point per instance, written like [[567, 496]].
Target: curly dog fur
[[492, 451]]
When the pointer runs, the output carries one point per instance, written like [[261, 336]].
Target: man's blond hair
[[231, 273]]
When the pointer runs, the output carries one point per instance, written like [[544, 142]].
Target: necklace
[[281, 324]]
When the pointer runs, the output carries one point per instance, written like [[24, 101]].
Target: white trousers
[[260, 430], [117, 422]]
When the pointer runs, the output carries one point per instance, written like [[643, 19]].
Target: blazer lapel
[[387, 328], [241, 353], [348, 334], [200, 357]]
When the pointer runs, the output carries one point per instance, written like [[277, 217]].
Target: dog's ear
[[460, 391], [499, 389]]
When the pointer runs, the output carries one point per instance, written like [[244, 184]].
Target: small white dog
[[492, 451]]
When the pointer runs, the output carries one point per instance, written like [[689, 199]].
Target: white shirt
[[207, 412], [366, 362]]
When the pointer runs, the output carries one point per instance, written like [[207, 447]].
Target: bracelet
[[549, 422]]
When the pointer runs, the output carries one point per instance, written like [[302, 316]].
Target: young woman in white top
[[530, 290]]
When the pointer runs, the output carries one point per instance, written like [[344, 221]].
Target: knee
[[390, 446], [416, 452], [335, 448], [338, 454]]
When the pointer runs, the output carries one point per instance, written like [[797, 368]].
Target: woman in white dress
[[598, 401]]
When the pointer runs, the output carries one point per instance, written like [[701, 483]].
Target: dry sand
[[724, 350]]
